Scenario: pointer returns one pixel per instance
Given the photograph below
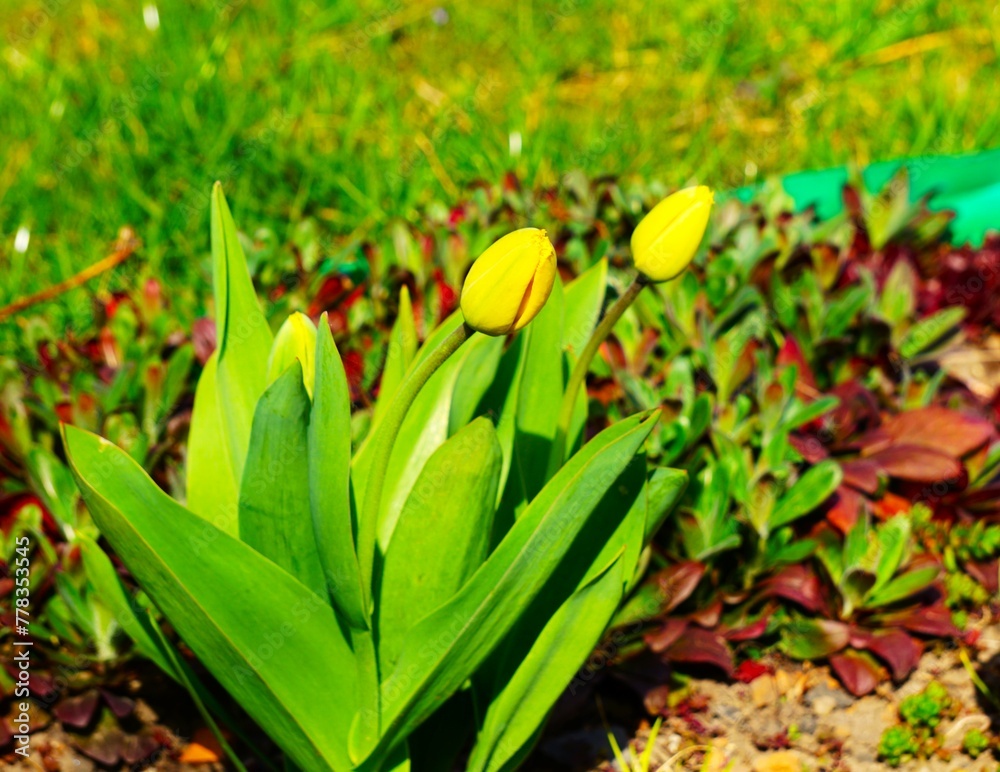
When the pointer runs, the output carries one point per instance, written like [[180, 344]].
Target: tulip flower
[[296, 339], [509, 283], [663, 245], [666, 240]]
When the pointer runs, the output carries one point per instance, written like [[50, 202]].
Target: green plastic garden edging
[[969, 185]]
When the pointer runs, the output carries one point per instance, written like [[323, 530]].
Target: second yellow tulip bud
[[510, 282], [666, 240]]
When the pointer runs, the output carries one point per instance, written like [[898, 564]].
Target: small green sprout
[[897, 745], [975, 743], [927, 708]]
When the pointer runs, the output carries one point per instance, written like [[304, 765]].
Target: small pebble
[[764, 690], [824, 705], [780, 761]]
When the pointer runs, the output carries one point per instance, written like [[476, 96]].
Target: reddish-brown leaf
[[798, 584], [810, 448], [935, 427], [896, 648], [985, 500], [750, 631], [845, 509], [203, 338], [701, 647], [708, 616], [858, 672], [749, 670], [791, 354], [858, 409], [861, 474], [120, 706], [986, 573], [667, 634], [677, 582], [891, 505], [916, 463], [933, 620], [77, 711], [137, 747]]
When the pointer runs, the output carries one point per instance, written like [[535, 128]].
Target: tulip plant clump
[[454, 568]]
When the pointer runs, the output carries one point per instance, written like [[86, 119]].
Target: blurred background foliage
[[357, 114]]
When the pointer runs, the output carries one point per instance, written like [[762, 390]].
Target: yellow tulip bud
[[296, 339], [509, 283], [668, 237]]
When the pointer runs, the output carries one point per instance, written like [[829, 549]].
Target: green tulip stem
[[385, 438], [579, 374]]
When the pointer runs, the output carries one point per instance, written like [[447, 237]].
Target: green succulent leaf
[[812, 489], [801, 413], [813, 638], [927, 332], [903, 586], [55, 486], [893, 541]]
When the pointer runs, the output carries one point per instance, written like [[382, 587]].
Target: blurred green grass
[[116, 113]]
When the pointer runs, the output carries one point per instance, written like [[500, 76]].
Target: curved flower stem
[[579, 374], [384, 439]]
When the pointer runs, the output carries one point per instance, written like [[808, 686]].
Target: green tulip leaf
[[516, 697], [445, 648], [443, 534], [330, 479], [212, 482], [539, 400], [517, 714], [663, 491], [131, 618], [275, 516], [402, 349], [424, 429], [584, 300], [242, 331], [270, 641], [295, 342]]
